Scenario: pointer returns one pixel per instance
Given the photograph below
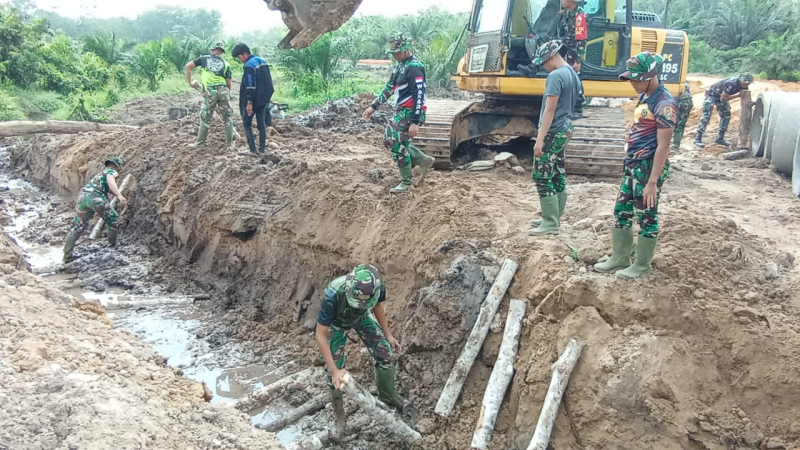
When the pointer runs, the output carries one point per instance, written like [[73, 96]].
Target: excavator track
[[597, 147]]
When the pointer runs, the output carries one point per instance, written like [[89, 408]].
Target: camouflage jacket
[[730, 86], [336, 311], [408, 83], [99, 183], [566, 30]]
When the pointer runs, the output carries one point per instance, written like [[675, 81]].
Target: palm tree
[[107, 46], [147, 62]]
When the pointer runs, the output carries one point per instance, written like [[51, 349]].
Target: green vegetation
[[730, 36], [56, 67]]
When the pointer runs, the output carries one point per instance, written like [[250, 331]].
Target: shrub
[[8, 108]]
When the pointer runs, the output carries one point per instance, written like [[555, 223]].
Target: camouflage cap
[[746, 78], [546, 51], [116, 160], [218, 45], [362, 286], [398, 43], [642, 67]]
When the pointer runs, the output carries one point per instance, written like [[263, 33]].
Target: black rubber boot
[[112, 237], [698, 141], [721, 140]]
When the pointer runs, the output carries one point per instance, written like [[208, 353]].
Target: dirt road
[[703, 354]]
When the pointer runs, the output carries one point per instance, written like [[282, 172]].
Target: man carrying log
[[92, 199], [407, 84], [645, 170], [356, 301], [718, 96]]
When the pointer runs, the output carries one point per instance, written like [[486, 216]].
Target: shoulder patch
[[669, 112]]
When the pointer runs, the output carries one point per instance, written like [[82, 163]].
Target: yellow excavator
[[500, 36]]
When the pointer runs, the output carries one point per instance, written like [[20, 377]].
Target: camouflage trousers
[[724, 109], [684, 109], [217, 98], [371, 335], [630, 198], [396, 137], [89, 205], [548, 169]]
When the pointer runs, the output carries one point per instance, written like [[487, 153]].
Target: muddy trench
[[695, 358]]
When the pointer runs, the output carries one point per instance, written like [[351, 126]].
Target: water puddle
[[182, 334]]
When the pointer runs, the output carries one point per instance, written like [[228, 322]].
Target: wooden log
[[501, 376], [458, 375], [745, 121], [309, 407], [270, 392], [558, 384], [737, 154], [377, 410], [99, 225], [321, 439], [23, 127]]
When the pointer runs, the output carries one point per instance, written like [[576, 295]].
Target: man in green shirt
[[92, 199], [215, 82], [356, 301]]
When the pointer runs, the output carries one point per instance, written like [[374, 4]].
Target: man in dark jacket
[[255, 94]]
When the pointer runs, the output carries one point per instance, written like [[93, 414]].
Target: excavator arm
[[309, 19]]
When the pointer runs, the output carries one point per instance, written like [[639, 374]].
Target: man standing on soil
[[255, 94], [646, 169], [92, 199], [215, 82], [573, 31], [407, 83], [555, 130], [356, 301], [718, 96], [685, 105]]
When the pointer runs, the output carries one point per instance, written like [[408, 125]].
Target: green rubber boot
[[562, 204], [621, 243], [229, 136], [69, 246], [645, 249], [339, 415], [550, 217], [112, 236], [202, 135], [386, 379], [419, 158], [676, 139], [405, 176]]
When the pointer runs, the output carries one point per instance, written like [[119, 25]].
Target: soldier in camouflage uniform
[[407, 84], [646, 168], [356, 301], [216, 87], [685, 105], [571, 17], [92, 199], [554, 131], [718, 96]]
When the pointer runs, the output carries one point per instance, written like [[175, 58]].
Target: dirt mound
[[681, 359], [158, 108]]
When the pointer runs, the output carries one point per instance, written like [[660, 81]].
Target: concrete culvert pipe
[[759, 124], [796, 171], [783, 129], [784, 109]]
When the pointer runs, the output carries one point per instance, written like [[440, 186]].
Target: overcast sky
[[237, 15]]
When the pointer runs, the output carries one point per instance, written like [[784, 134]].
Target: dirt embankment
[[702, 355], [68, 380]]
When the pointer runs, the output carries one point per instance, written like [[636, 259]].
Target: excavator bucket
[[309, 19]]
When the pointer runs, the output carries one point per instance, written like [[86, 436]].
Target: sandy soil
[[703, 354]]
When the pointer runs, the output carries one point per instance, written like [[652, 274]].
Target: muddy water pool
[[230, 369]]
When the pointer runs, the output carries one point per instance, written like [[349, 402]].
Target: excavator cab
[[309, 19]]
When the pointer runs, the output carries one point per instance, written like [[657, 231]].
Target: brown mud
[[703, 354]]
